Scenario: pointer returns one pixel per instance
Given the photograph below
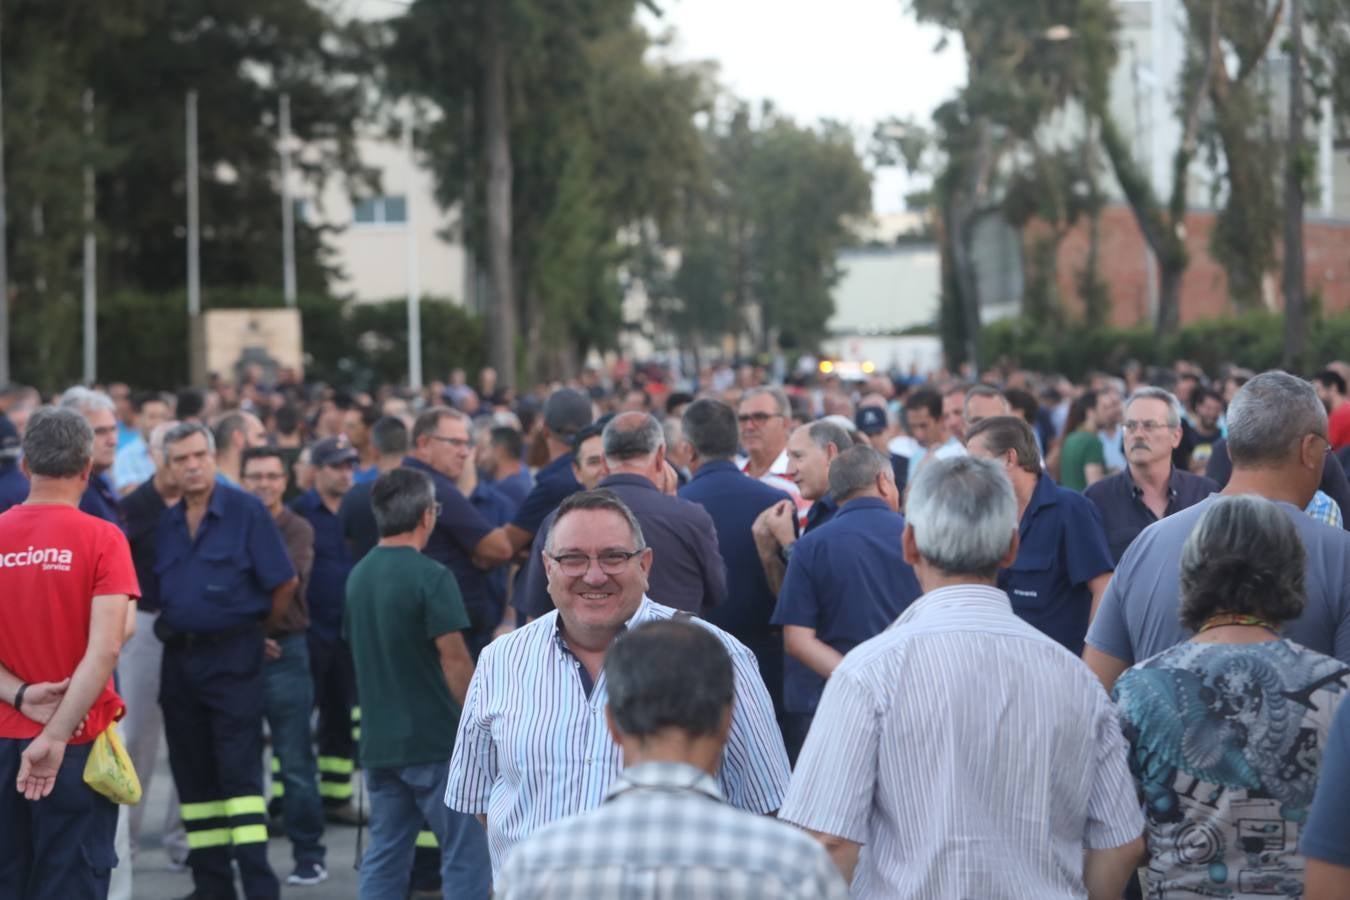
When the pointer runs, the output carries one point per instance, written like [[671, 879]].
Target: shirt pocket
[[1028, 582], [221, 572]]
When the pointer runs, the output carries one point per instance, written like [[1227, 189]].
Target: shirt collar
[[1043, 495], [862, 503], [637, 481], [665, 776], [1173, 484], [637, 617], [978, 596]]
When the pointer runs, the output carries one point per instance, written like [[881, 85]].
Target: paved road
[[153, 879]]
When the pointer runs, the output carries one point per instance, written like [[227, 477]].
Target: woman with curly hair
[[1227, 729]]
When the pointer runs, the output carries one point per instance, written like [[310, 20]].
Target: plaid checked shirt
[[665, 832]]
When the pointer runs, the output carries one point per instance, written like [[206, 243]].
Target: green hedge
[[143, 338], [1255, 340]]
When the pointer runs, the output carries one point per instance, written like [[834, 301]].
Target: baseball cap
[[332, 452], [871, 420], [567, 411]]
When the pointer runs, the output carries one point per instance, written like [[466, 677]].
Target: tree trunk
[[502, 320], [1293, 197]]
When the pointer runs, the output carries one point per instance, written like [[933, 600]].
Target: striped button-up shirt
[[969, 754], [664, 833], [533, 748]]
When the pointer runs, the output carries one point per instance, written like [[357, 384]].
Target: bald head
[[635, 442]]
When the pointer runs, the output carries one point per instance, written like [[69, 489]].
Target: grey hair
[[779, 397], [1269, 416], [184, 430], [1244, 556], [159, 433], [855, 470], [597, 499], [824, 432], [1166, 396], [669, 674], [844, 423], [399, 498], [84, 401], [58, 442], [622, 439], [963, 514]]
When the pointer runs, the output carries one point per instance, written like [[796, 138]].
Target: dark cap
[[9, 439], [567, 411], [871, 420], [332, 452]]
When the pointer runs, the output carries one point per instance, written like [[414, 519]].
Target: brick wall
[[1204, 294]]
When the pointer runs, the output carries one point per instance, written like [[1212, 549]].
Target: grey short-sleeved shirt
[[1138, 614]]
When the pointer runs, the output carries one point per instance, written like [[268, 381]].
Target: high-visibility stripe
[[336, 765], [276, 765], [244, 806], [333, 791], [356, 733], [249, 834], [356, 714], [427, 839], [211, 837], [278, 788], [195, 812]]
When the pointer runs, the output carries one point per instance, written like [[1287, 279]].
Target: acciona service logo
[[49, 559]]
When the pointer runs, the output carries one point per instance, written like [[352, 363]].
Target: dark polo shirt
[[1124, 513]]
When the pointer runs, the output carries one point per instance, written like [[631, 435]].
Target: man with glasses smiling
[[1151, 487], [532, 745], [1277, 438]]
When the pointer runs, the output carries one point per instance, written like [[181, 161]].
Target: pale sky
[[856, 61]]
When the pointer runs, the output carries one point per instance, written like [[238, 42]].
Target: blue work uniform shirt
[[847, 580], [99, 501], [13, 487], [822, 511], [553, 484], [517, 487], [143, 508], [1124, 513], [327, 590], [459, 528], [497, 509], [224, 577], [1063, 548], [733, 501]]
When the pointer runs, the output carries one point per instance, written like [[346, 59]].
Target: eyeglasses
[[1144, 425], [105, 430], [264, 476], [759, 418], [454, 442], [611, 562], [1326, 440]]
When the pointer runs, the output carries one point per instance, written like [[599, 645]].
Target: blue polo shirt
[[224, 577], [848, 580], [1063, 548], [327, 590], [99, 501], [553, 484], [143, 508], [733, 501], [13, 487], [497, 509], [517, 487], [821, 511], [458, 530]]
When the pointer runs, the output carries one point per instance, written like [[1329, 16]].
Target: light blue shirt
[[533, 746], [133, 465]]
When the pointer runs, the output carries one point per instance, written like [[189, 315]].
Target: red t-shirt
[[1338, 427], [54, 560]]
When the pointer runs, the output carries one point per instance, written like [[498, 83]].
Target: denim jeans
[[289, 690], [400, 798]]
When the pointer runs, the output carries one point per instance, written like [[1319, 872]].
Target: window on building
[[381, 211]]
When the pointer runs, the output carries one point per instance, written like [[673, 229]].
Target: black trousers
[[212, 695], [335, 697]]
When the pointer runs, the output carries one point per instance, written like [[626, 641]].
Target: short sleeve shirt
[[398, 603], [847, 580], [1063, 548], [142, 510], [223, 577], [1081, 448], [54, 560], [328, 577], [1137, 617], [1225, 743]]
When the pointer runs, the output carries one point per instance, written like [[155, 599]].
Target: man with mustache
[[1151, 487]]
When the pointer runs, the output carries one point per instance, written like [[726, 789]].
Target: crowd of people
[[643, 636]]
